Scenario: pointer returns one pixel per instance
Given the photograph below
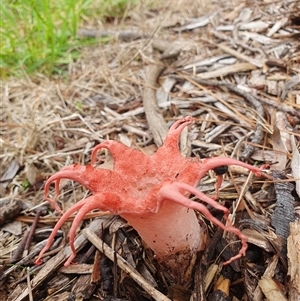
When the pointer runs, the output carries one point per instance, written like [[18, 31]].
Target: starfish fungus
[[151, 193]]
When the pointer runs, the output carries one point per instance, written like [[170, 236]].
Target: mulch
[[235, 68]]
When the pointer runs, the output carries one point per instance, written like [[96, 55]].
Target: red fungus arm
[[173, 192], [123, 155], [212, 163], [53, 202], [176, 129], [72, 172], [58, 225], [83, 207], [171, 143]]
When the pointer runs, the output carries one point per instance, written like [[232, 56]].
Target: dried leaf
[[280, 155], [31, 173], [295, 165], [258, 239], [162, 94], [199, 22], [14, 228], [295, 80], [271, 290], [281, 140], [9, 209], [239, 67], [9, 174]]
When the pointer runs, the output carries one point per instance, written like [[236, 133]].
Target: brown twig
[[154, 118], [31, 233], [29, 286], [17, 255]]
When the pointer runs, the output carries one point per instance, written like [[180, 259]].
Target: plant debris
[[234, 67]]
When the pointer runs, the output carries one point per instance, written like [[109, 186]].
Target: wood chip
[[239, 67], [271, 290], [293, 247]]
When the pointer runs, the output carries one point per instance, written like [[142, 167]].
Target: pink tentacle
[[203, 197], [218, 185], [93, 203], [106, 144], [68, 173], [121, 155], [172, 192], [58, 225], [212, 163], [178, 126], [116, 149], [87, 176], [53, 201], [172, 139]]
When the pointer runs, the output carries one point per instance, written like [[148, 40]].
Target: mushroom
[[152, 194]]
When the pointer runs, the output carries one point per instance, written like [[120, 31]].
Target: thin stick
[[241, 195], [31, 233], [29, 286], [17, 255], [124, 265]]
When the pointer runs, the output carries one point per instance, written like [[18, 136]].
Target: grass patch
[[38, 35], [41, 35]]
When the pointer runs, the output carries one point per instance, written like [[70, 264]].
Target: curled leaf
[[295, 164]]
